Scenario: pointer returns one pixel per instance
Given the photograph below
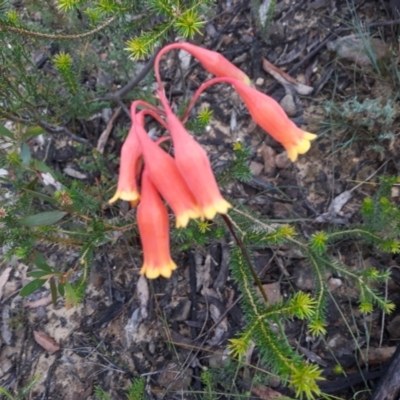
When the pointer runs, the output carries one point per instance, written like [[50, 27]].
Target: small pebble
[[334, 283], [256, 168], [289, 105], [260, 81]]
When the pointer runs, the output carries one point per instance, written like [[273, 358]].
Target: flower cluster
[[186, 181]]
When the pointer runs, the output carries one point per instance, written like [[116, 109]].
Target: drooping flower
[[166, 177], [153, 223], [213, 62], [194, 165], [267, 113], [129, 169]]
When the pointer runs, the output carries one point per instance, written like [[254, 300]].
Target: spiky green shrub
[[60, 63], [380, 228]]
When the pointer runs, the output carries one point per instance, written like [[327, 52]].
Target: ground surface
[[168, 331]]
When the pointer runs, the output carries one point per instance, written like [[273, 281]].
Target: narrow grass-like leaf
[[25, 154], [71, 298], [42, 219], [5, 132], [38, 274], [31, 287], [61, 289]]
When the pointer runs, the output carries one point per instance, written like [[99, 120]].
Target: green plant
[[371, 121], [22, 393], [71, 79], [101, 394], [136, 389], [263, 12], [381, 227], [47, 209], [73, 214]]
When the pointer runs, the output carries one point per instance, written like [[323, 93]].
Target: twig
[[62, 129], [106, 133], [49, 128], [134, 82], [21, 31], [310, 55]]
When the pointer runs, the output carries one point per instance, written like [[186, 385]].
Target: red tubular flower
[[194, 165], [267, 113], [214, 62], [166, 177], [153, 223], [129, 169]]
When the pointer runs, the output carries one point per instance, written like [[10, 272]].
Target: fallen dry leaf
[[339, 201], [44, 301], [290, 84], [143, 294], [378, 355], [47, 342], [334, 208], [3, 280], [6, 332], [265, 393], [101, 144]]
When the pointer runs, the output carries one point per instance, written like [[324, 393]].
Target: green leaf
[[32, 132], [5, 392], [31, 287], [40, 262], [61, 289], [42, 167], [45, 218], [71, 298], [38, 274], [31, 185], [41, 196], [5, 132], [53, 290], [25, 154]]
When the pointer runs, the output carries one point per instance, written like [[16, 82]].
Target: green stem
[[246, 257]]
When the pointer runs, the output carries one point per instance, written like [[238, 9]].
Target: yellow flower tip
[[153, 272], [220, 207], [114, 198], [292, 153], [134, 203], [301, 147], [166, 270], [183, 219], [131, 196], [309, 136]]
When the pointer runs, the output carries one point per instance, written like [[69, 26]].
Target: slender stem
[[204, 86], [26, 32], [246, 256], [155, 116], [187, 48], [119, 94], [164, 50], [146, 105]]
